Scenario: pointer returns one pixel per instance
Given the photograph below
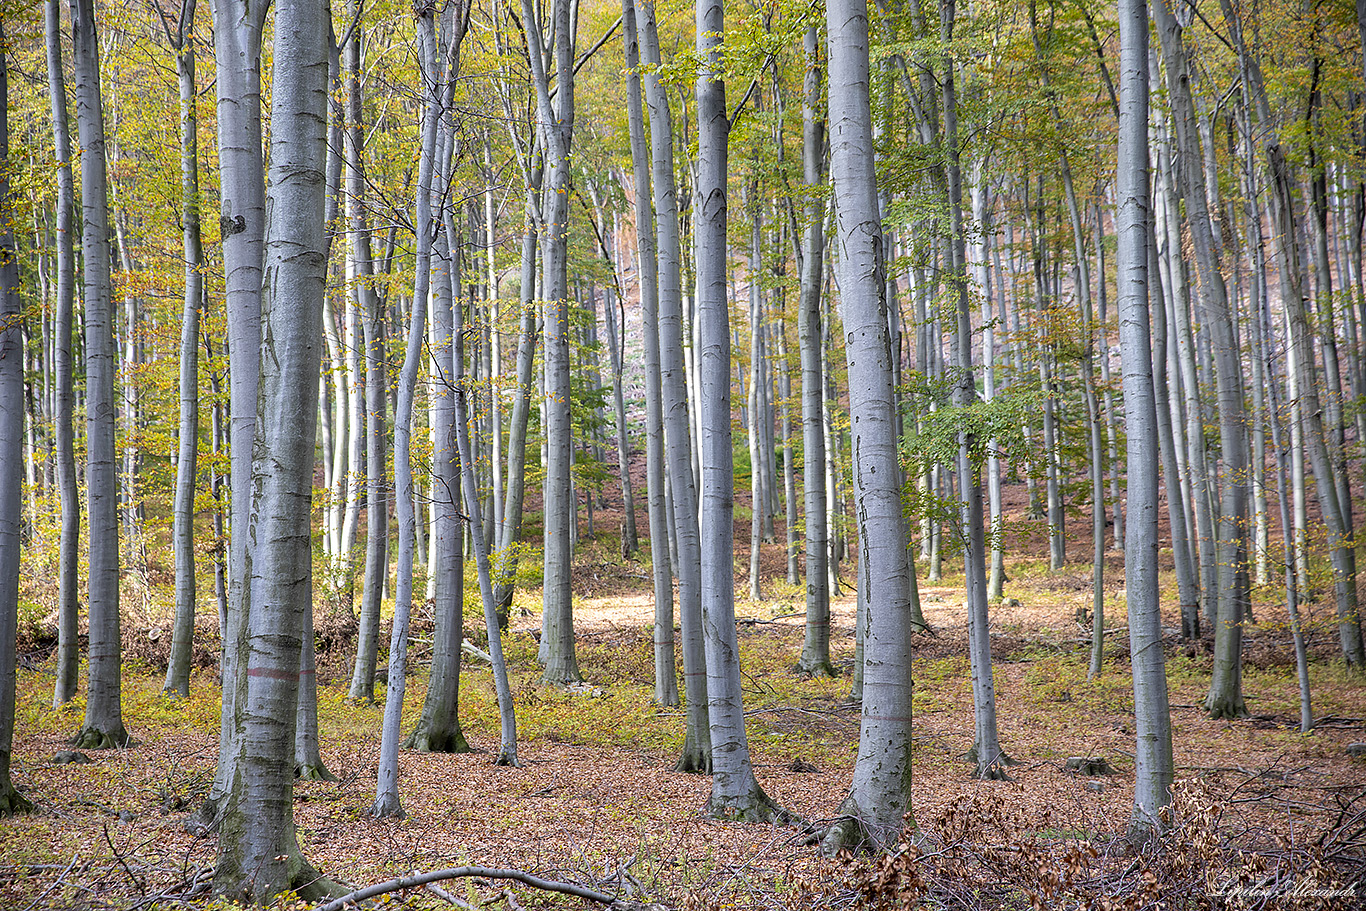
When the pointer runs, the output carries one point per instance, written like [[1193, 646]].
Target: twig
[[142, 887], [62, 876]]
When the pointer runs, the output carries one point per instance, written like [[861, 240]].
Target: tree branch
[[536, 882]]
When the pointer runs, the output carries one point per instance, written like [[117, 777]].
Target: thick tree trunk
[[258, 855], [1152, 716], [879, 797], [68, 644], [103, 725]]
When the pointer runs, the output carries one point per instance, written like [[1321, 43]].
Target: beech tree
[[1152, 716], [103, 726], [880, 794], [556, 127], [11, 450], [735, 793], [258, 854], [68, 646], [182, 637]]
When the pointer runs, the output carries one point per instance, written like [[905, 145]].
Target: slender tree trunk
[[666, 666], [735, 794], [757, 478], [103, 725], [506, 561], [11, 452], [789, 466], [387, 799], [556, 126], [237, 51], [815, 657], [507, 748], [697, 754], [986, 744], [182, 639], [68, 644], [1225, 696]]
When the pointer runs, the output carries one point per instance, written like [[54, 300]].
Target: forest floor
[[596, 800]]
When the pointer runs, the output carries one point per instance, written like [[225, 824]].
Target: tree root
[[694, 760], [12, 802], [815, 668], [93, 738], [312, 772], [754, 807], [424, 740]]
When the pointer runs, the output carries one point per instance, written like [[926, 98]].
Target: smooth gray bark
[[556, 126], [1152, 716], [242, 207], [815, 655], [879, 797], [68, 608], [507, 717], [182, 638], [11, 451], [735, 793], [666, 665], [438, 728], [361, 268], [986, 748], [387, 800], [103, 725], [678, 440], [258, 855]]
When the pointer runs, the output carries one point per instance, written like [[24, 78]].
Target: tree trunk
[[879, 797], [258, 855], [556, 127], [360, 261], [815, 657], [696, 755], [1152, 716], [103, 725], [735, 794], [182, 639], [237, 51], [666, 666], [68, 607], [11, 452], [507, 748], [1225, 696], [986, 743], [510, 527]]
